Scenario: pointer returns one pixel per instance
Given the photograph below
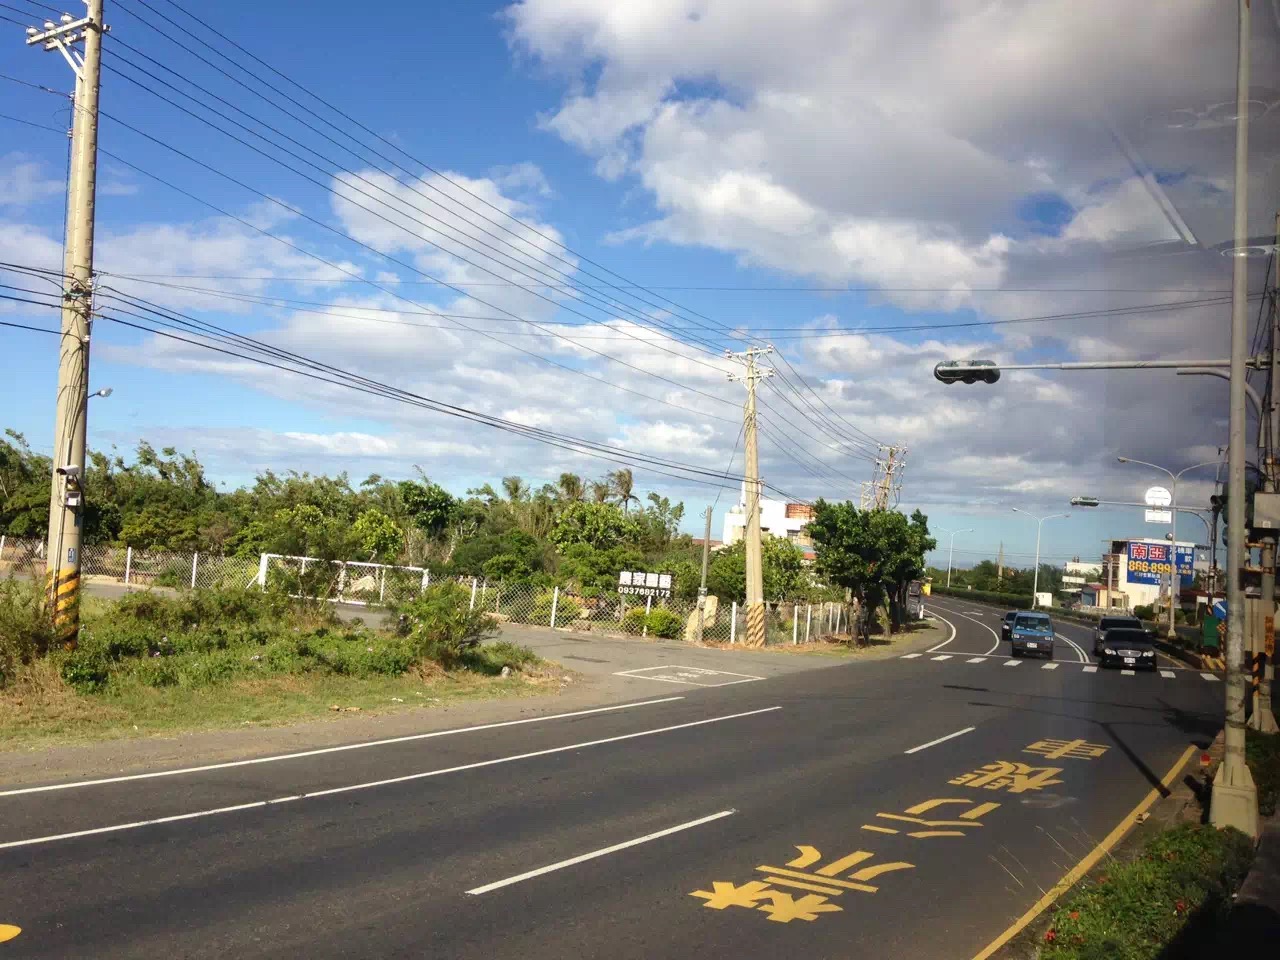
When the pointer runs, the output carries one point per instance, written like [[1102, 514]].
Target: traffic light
[[1084, 501], [967, 371]]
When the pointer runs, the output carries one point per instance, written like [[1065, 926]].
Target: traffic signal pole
[[1234, 801], [66, 501]]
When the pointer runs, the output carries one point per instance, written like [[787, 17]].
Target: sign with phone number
[[1149, 562]]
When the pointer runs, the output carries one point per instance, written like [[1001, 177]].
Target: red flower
[[1050, 936], [1180, 906], [1075, 914]]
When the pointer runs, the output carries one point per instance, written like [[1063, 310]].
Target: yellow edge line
[[1087, 864]]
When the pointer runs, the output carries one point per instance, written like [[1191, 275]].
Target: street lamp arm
[[1153, 466], [1249, 389]]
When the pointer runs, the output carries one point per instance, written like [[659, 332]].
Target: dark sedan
[[1127, 648]]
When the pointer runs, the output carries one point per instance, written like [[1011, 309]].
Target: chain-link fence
[[370, 584]]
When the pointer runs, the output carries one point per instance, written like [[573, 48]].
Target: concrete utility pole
[[751, 484], [702, 588], [1263, 719], [66, 502], [1234, 801]]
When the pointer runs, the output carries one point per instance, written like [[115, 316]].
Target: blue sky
[[648, 146]]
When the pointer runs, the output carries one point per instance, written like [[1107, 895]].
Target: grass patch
[[1262, 753], [151, 663], [40, 709], [1135, 910]]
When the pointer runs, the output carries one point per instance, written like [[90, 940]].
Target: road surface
[[908, 807]]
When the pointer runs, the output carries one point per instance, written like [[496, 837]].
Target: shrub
[[1145, 611], [634, 621], [492, 657], [26, 624], [1137, 909], [439, 624], [1262, 751], [665, 623], [1015, 601], [568, 609]]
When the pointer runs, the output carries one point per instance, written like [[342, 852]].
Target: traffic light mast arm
[[1116, 365]]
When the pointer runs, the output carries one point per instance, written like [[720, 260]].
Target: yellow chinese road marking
[[799, 885], [1087, 864], [833, 881], [8, 931], [1009, 775], [1076, 749]]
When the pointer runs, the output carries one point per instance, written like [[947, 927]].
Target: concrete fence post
[[473, 594], [426, 580], [648, 607], [262, 570], [622, 607], [342, 581], [128, 564], [1, 546], [382, 586], [808, 620], [555, 603], [795, 624], [195, 561], [733, 624]]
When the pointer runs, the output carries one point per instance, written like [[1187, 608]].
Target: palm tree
[[516, 489], [601, 490], [623, 486], [570, 487]]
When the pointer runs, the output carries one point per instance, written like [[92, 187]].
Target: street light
[[1174, 581], [951, 553], [104, 392], [1208, 527], [1035, 582]]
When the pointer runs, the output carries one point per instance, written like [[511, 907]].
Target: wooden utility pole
[[751, 484], [66, 501]]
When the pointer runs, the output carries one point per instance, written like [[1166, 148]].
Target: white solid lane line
[[949, 639], [323, 750], [605, 851], [934, 743], [115, 828], [1074, 646]]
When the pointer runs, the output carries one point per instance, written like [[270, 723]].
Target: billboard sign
[[1149, 562], [636, 583]]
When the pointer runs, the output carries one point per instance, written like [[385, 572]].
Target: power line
[[310, 112], [315, 369], [376, 286], [520, 266], [506, 215]]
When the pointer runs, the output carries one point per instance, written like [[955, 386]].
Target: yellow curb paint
[[1087, 864], [8, 931]]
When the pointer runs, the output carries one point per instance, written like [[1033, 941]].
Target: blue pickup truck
[[1031, 633]]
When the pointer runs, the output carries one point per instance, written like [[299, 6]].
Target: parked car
[[1032, 633], [1128, 648], [1113, 623], [1006, 624]]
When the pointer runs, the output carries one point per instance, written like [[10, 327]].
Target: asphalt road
[[791, 816]]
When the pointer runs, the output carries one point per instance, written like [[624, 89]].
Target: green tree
[[598, 525], [430, 507], [783, 573], [378, 535], [570, 488]]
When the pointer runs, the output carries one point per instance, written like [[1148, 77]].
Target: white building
[[777, 518]]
